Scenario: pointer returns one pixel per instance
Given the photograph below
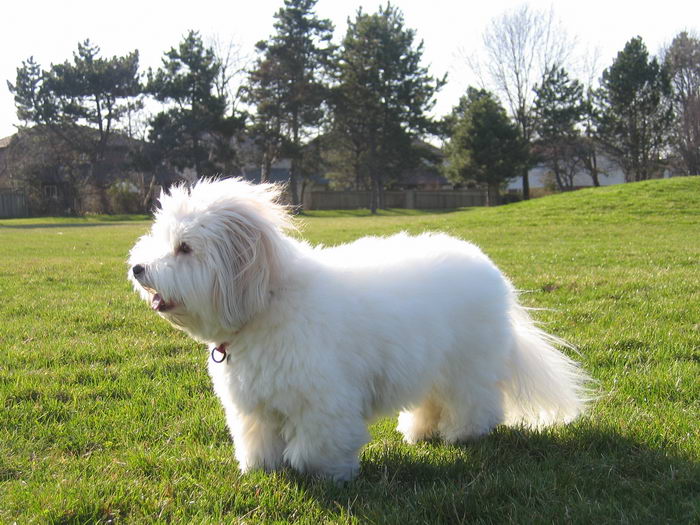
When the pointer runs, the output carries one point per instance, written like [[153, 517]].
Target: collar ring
[[222, 350]]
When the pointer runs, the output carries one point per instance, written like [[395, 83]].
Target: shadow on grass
[[516, 476]]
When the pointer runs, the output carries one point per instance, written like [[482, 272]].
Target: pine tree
[[183, 133], [634, 114], [29, 93], [80, 103], [264, 91], [559, 108], [484, 146], [382, 99], [89, 91], [289, 85]]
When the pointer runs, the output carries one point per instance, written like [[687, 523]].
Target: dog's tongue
[[157, 302]]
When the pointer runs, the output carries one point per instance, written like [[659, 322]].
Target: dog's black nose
[[137, 270]]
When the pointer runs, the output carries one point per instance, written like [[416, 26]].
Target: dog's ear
[[247, 251]]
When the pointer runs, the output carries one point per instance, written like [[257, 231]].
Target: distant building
[[610, 173], [57, 180], [427, 176]]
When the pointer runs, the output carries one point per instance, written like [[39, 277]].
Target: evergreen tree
[[559, 108], [89, 91], [633, 111], [264, 91], [382, 98], [289, 85], [32, 100], [484, 146], [184, 133], [80, 103]]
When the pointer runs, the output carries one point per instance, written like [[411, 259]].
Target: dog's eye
[[183, 248]]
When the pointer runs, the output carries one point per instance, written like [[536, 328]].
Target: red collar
[[221, 349]]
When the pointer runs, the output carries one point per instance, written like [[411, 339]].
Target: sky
[[450, 29]]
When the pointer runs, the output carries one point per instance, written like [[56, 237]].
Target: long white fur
[[322, 340]]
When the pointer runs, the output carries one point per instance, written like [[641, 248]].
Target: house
[[13, 203], [58, 180], [427, 176], [541, 176], [5, 182]]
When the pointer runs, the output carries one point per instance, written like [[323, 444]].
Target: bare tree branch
[[520, 46], [234, 63]]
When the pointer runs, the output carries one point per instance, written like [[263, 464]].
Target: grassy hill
[[106, 413]]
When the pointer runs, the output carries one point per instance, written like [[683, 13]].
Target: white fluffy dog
[[309, 344]]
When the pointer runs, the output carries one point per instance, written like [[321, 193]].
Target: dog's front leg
[[257, 442]]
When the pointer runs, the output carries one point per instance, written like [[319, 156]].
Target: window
[[51, 191]]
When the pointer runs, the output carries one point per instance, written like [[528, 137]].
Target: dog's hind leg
[[420, 422], [326, 445], [471, 394], [471, 412]]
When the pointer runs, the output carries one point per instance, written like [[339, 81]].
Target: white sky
[[50, 30]]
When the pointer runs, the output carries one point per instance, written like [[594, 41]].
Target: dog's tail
[[545, 386]]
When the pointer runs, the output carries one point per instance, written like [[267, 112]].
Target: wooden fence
[[13, 204], [426, 200]]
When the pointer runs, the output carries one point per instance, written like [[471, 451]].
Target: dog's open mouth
[[161, 305]]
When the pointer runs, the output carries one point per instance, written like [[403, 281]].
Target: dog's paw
[[344, 474]]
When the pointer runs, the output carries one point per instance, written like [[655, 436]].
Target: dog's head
[[212, 255]]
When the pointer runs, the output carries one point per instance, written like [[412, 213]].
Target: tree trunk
[[374, 175], [265, 167], [356, 166], [381, 195], [526, 184], [493, 195], [594, 169], [294, 169], [303, 190], [97, 177], [293, 184], [195, 150], [560, 182], [374, 195], [147, 195]]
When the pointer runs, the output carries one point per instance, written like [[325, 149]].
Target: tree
[[589, 143], [682, 60], [382, 98], [33, 101], [633, 111], [228, 85], [233, 66], [590, 146], [288, 85], [485, 146], [559, 109], [80, 102], [520, 47], [265, 91], [186, 133]]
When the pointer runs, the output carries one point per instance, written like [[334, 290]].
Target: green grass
[[106, 412]]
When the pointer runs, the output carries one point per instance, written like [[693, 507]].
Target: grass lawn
[[106, 412]]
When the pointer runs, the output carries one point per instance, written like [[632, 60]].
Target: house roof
[[116, 138]]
